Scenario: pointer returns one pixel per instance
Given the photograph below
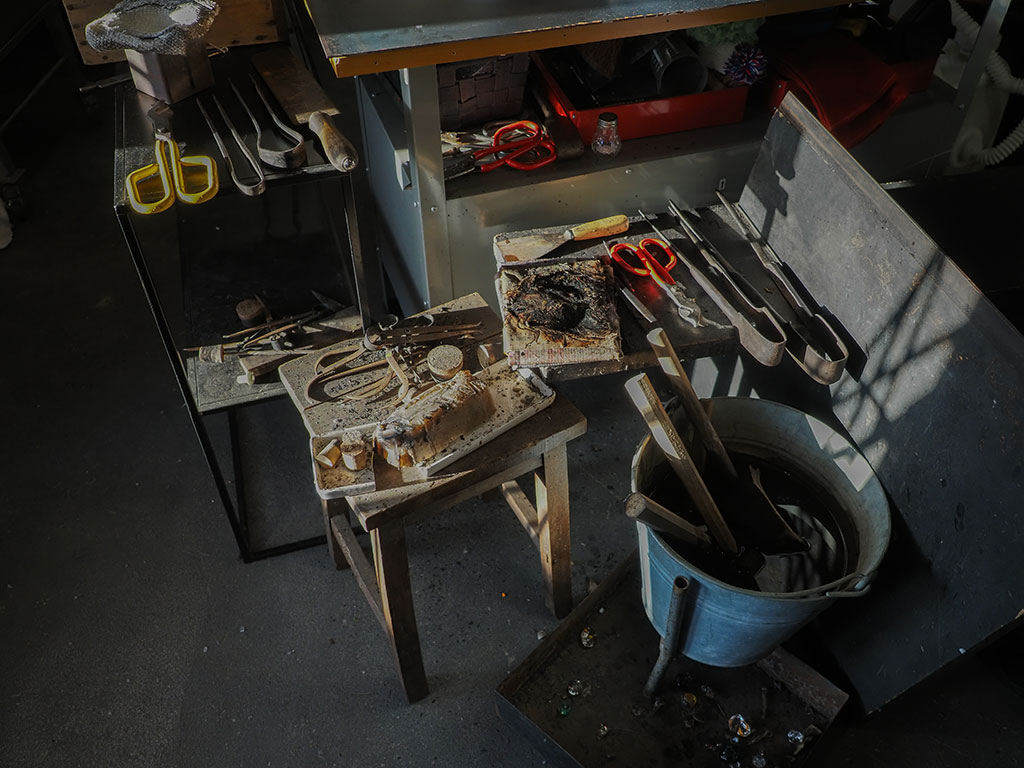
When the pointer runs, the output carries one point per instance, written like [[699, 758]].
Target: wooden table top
[[516, 452], [364, 36]]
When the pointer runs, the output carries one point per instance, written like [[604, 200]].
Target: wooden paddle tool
[[304, 102], [764, 527], [641, 392]]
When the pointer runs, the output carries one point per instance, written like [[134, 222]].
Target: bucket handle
[[861, 585]]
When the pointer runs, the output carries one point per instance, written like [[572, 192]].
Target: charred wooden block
[[559, 313]]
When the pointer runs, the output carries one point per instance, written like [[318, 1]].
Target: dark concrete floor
[[130, 633]]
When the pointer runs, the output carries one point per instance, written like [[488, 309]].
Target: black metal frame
[[368, 293], [236, 513]]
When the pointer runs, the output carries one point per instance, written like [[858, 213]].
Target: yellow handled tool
[[530, 247], [167, 176]]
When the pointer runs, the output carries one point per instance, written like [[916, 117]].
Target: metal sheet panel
[[384, 132], [933, 396]]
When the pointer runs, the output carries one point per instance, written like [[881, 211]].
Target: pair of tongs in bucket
[[820, 351]]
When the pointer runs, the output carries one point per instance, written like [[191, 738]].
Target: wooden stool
[[537, 445]]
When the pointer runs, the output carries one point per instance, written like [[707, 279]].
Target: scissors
[[655, 259], [522, 145], [170, 174]]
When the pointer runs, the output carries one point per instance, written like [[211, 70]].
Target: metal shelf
[[222, 257], [639, 155]]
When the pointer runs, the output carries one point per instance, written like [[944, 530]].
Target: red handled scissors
[[522, 145], [645, 261]]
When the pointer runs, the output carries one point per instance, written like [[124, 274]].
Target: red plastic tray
[[651, 118]]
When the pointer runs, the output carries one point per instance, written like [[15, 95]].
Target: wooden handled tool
[[568, 144], [641, 392], [304, 102], [532, 247], [688, 398], [656, 517], [763, 524]]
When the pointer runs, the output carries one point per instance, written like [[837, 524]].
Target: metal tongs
[[821, 351], [294, 155], [760, 334], [245, 188]]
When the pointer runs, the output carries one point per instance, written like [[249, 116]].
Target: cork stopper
[[212, 354], [444, 361], [250, 312]]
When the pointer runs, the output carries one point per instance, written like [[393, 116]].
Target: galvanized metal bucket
[[728, 626]]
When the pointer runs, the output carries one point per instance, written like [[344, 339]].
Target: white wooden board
[[517, 396]]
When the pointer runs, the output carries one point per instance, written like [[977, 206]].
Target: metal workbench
[[436, 235], [423, 34]]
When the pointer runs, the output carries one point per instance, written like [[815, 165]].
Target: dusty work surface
[[324, 417], [558, 312], [516, 398], [713, 337], [221, 385], [609, 721]]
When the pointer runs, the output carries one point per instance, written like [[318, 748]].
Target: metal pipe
[[673, 631]]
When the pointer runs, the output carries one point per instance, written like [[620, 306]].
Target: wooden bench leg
[[552, 486], [391, 560], [331, 508]]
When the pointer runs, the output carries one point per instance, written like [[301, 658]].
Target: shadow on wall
[[935, 405]]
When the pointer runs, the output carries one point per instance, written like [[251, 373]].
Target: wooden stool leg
[[552, 485], [391, 560], [331, 508]]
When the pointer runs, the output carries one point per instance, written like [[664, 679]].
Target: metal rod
[[246, 189], [285, 549], [241, 508], [984, 44], [149, 288], [31, 94], [673, 630]]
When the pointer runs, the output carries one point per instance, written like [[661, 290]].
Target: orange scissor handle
[[511, 152], [621, 250], [649, 264]]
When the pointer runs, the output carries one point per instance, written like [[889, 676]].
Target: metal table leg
[[236, 515], [135, 250]]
